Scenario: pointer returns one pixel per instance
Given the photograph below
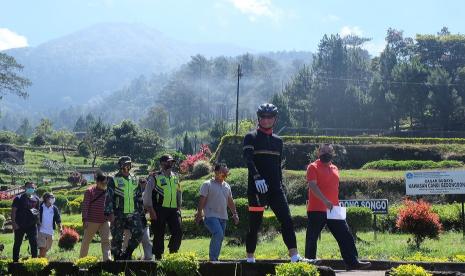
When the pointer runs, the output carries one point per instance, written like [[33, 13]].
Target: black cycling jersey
[[263, 154]]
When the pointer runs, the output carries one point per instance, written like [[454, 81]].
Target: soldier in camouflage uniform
[[124, 209]]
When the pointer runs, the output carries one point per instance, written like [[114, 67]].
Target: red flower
[[204, 154]]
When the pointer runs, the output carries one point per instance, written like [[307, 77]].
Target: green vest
[[126, 188], [168, 187]]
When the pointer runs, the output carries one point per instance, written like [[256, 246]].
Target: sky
[[262, 25]]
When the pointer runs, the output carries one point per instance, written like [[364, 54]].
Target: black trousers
[[339, 229], [172, 218], [277, 201], [31, 233]]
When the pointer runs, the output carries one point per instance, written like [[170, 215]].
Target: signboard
[[378, 206], [434, 182]]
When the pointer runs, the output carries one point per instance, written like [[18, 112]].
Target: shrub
[[409, 270], [296, 269], [6, 203], [392, 165], [86, 262], [2, 221], [4, 266], [61, 202], [180, 264], [188, 164], [83, 150], [74, 207], [76, 226], [38, 140], [417, 218], [35, 265], [240, 230], [40, 191], [359, 219], [5, 212], [68, 239], [201, 168], [8, 137]]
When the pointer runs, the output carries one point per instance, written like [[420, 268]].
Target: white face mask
[[52, 201]]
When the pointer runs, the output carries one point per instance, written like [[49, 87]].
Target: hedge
[[393, 165], [296, 187], [351, 153]]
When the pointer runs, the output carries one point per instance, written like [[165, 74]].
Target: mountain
[[91, 63]]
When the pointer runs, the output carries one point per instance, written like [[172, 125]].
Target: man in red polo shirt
[[323, 191]]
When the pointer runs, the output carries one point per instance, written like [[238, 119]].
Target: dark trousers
[[31, 233], [339, 229], [278, 204], [172, 218]]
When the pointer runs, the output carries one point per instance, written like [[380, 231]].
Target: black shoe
[[358, 265], [126, 256]]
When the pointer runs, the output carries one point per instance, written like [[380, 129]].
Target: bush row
[[394, 165], [296, 188], [299, 151]]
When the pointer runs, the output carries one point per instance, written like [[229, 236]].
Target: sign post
[[377, 206], [437, 183]]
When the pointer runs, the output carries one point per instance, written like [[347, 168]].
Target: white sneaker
[[250, 260], [298, 258]]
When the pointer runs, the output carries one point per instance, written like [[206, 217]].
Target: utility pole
[[239, 75]]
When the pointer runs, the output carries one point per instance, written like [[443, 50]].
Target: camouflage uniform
[[115, 203]]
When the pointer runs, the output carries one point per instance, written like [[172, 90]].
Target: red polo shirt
[[327, 179]]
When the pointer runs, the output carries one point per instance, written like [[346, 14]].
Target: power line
[[391, 82]]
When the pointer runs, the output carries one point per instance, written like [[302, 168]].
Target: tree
[[25, 129], [444, 98], [284, 117], [10, 81], [157, 121], [45, 128], [64, 139], [90, 121], [187, 145], [96, 138], [409, 91], [128, 139], [299, 94], [218, 130], [80, 125]]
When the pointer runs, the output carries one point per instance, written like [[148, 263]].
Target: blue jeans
[[217, 228]]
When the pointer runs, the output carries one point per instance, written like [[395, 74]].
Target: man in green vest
[[162, 200], [124, 209]]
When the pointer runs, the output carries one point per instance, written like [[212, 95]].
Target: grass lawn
[[451, 246]]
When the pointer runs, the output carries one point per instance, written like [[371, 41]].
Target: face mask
[[30, 191], [325, 158], [52, 201], [168, 166]]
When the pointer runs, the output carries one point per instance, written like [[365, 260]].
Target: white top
[[46, 226]]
